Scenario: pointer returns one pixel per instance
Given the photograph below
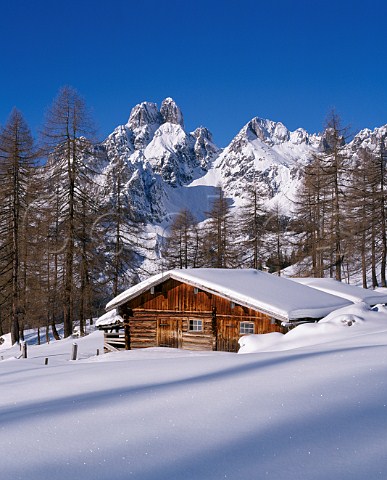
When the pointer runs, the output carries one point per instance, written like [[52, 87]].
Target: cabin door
[[228, 336], [168, 332]]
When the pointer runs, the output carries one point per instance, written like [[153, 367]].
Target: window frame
[[194, 323], [243, 324]]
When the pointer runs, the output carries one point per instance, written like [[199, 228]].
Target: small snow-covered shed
[[209, 309], [349, 292]]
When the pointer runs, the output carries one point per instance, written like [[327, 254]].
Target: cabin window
[[196, 325], [156, 289], [246, 327]]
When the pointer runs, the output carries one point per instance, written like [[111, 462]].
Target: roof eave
[[236, 299], [292, 316]]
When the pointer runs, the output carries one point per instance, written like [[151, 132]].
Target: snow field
[[315, 412]]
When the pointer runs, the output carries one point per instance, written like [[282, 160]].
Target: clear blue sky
[[223, 61]]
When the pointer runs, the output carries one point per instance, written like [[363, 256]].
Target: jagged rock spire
[[171, 112], [145, 113]]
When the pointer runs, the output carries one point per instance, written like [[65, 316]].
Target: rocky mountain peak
[[268, 131], [202, 133], [171, 113], [299, 136], [371, 140], [145, 113], [205, 149]]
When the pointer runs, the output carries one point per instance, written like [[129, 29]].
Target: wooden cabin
[[209, 309]]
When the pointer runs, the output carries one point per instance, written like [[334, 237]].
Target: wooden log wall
[[162, 318], [143, 330]]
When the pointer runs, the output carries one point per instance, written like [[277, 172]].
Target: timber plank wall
[[162, 318]]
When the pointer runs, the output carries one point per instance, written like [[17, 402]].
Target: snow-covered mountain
[[168, 168], [160, 157], [368, 139], [263, 151]]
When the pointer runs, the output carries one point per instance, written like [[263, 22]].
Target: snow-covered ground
[[315, 408]]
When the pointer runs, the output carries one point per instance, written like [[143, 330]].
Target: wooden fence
[[114, 341]]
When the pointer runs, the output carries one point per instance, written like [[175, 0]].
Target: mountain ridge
[[164, 161]]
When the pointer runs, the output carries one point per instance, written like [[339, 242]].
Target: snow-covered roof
[[277, 296], [349, 292], [109, 318]]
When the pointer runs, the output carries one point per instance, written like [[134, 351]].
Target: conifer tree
[[17, 156], [182, 242], [65, 135], [122, 229], [334, 170], [252, 225], [359, 208], [321, 204], [276, 225], [310, 212], [366, 206], [379, 162], [218, 248]]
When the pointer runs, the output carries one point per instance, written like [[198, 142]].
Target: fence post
[[74, 351], [24, 350]]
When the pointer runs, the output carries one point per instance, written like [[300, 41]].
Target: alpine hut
[[209, 309]]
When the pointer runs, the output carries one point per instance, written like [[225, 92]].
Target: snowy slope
[[313, 413]]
